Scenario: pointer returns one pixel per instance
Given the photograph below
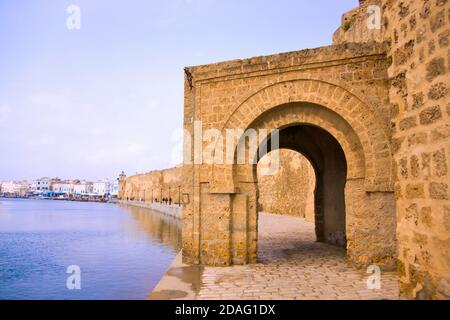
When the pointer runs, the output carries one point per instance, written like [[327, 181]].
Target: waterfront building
[[115, 188], [16, 188], [46, 186], [83, 188], [41, 185], [102, 187], [7, 187], [63, 187]]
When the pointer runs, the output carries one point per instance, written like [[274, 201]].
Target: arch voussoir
[[345, 104]]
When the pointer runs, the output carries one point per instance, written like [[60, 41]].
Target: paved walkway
[[291, 266]]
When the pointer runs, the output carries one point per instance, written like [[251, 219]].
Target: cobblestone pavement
[[293, 266]]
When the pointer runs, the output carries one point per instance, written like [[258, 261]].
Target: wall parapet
[[169, 210], [303, 58]]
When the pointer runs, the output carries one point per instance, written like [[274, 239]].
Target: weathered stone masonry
[[289, 191], [342, 89], [152, 186], [362, 94], [371, 115], [418, 34]]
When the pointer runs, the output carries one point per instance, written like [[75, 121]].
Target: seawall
[[170, 210]]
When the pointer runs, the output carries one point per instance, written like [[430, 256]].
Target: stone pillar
[[370, 226]]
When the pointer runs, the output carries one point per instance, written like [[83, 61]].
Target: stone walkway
[[292, 266]]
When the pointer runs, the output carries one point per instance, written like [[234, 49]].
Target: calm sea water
[[122, 251]]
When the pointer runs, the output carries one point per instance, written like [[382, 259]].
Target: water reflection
[[122, 251], [160, 227]]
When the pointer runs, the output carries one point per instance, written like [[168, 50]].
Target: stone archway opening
[[290, 189], [350, 153], [327, 159]]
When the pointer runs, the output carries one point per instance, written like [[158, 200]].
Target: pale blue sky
[[91, 102]]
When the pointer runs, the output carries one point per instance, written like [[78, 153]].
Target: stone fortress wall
[[289, 191], [152, 186], [400, 71], [342, 89], [417, 34]]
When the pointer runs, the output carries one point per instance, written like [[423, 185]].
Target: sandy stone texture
[[289, 190], [418, 33], [383, 96], [292, 265]]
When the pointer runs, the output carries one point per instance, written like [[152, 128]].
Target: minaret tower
[[122, 182]]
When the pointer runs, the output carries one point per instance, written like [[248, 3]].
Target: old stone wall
[[342, 89], [355, 26], [173, 210], [382, 94], [289, 190], [153, 186], [418, 34]]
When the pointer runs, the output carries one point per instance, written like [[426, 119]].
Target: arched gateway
[[329, 104]]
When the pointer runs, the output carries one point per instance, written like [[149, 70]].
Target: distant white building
[[102, 187], [8, 187], [115, 188], [19, 188], [41, 185], [83, 188], [63, 187]]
